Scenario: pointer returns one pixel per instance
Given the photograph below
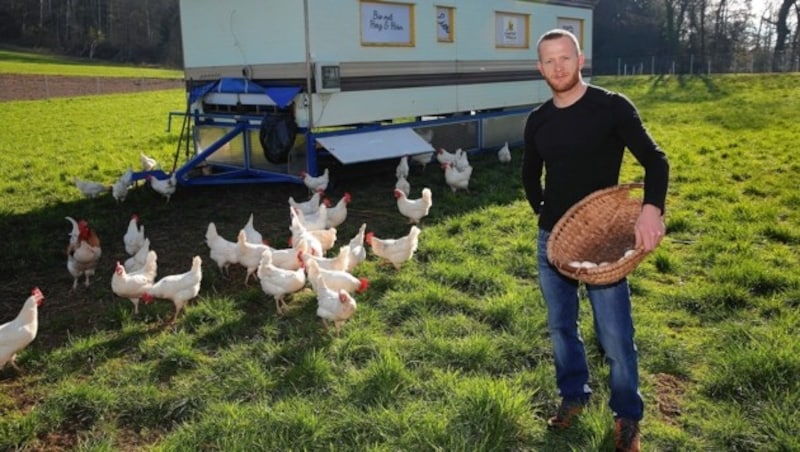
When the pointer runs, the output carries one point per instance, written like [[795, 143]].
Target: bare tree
[[782, 35]]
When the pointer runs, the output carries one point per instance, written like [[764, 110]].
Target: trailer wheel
[[277, 135]]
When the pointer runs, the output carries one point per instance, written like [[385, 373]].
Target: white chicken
[[279, 282], [403, 185], [91, 189], [314, 221], [462, 160], [338, 213], [335, 279], [455, 179], [134, 236], [422, 159], [338, 262], [287, 258], [248, 255], [221, 251], [402, 167], [179, 288], [396, 251], [442, 156], [165, 187], [425, 134], [358, 253], [316, 183], [250, 232], [138, 260], [148, 163], [414, 209], [310, 206], [334, 306], [504, 154], [119, 190], [127, 177], [18, 333], [132, 285], [83, 251], [326, 238], [302, 238]]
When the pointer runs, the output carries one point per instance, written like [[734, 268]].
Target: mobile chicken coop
[[274, 85]]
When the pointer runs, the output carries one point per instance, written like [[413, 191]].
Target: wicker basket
[[599, 230]]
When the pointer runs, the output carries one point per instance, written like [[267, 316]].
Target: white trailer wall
[[268, 41]]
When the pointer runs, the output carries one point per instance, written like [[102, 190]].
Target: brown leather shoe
[[626, 435], [567, 412]]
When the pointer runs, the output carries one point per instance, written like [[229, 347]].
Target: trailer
[[275, 87]]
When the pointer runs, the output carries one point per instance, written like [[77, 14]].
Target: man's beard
[[565, 85]]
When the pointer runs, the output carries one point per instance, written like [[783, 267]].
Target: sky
[[760, 5]]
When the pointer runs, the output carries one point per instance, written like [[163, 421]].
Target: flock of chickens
[[279, 271], [119, 189]]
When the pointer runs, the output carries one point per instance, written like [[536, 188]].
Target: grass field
[[449, 353]]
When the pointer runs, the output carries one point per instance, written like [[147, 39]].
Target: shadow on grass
[[34, 252]]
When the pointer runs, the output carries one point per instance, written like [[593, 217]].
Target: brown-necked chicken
[[18, 333], [83, 251]]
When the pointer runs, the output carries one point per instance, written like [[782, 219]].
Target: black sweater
[[580, 149]]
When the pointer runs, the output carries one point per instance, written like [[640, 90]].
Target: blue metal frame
[[246, 174]]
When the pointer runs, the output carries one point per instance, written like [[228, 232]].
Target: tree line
[[672, 34]]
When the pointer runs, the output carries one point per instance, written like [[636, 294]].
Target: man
[[577, 138]]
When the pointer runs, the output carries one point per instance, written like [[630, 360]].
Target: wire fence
[[757, 61]]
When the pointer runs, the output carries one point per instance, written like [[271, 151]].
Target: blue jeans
[[613, 324]]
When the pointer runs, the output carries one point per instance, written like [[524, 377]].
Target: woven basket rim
[[601, 275]]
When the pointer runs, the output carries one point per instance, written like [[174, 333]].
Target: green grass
[[449, 353], [23, 62]]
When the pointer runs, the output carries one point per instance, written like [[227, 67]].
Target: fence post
[[652, 65], [619, 64], [691, 64]]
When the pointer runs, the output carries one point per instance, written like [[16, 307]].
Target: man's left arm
[[650, 228]]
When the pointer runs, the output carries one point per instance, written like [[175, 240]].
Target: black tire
[[277, 134]]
